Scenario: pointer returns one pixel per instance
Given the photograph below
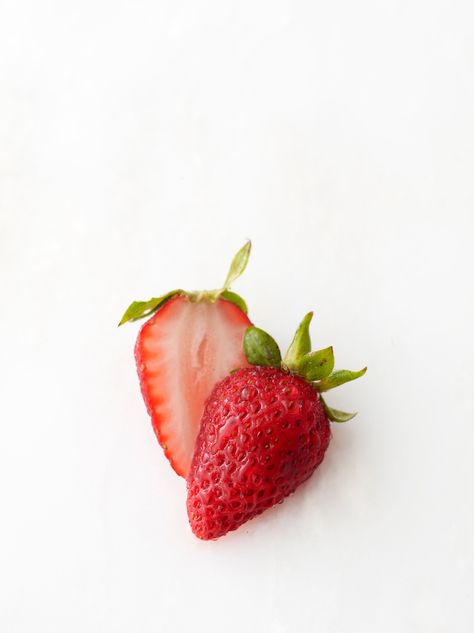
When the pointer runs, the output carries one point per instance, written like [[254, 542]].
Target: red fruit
[[263, 432], [191, 342], [181, 352]]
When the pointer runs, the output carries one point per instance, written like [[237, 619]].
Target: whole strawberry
[[264, 431]]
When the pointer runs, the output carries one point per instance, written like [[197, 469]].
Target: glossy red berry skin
[[263, 432]]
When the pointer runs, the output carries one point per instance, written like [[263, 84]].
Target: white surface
[[140, 144]]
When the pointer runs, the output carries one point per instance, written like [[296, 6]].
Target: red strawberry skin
[[263, 432]]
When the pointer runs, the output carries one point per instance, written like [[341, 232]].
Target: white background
[[140, 144]]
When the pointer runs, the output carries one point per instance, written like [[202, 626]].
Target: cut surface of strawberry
[[181, 353], [191, 341]]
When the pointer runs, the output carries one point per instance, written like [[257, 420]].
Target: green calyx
[[315, 367], [260, 348], [141, 309]]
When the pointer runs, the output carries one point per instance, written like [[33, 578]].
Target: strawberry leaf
[[260, 348], [238, 265], [234, 298], [317, 365], [338, 378], [300, 345], [335, 415], [141, 309]]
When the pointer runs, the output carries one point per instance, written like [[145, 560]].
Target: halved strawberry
[[192, 341], [181, 353]]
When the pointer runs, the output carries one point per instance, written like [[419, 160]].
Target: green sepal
[[300, 345], [335, 415], [260, 348], [238, 265], [234, 298], [141, 309], [317, 365], [338, 378]]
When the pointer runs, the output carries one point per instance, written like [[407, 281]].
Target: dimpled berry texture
[[263, 432]]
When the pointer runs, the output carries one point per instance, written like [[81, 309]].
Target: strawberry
[[264, 431], [191, 341]]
